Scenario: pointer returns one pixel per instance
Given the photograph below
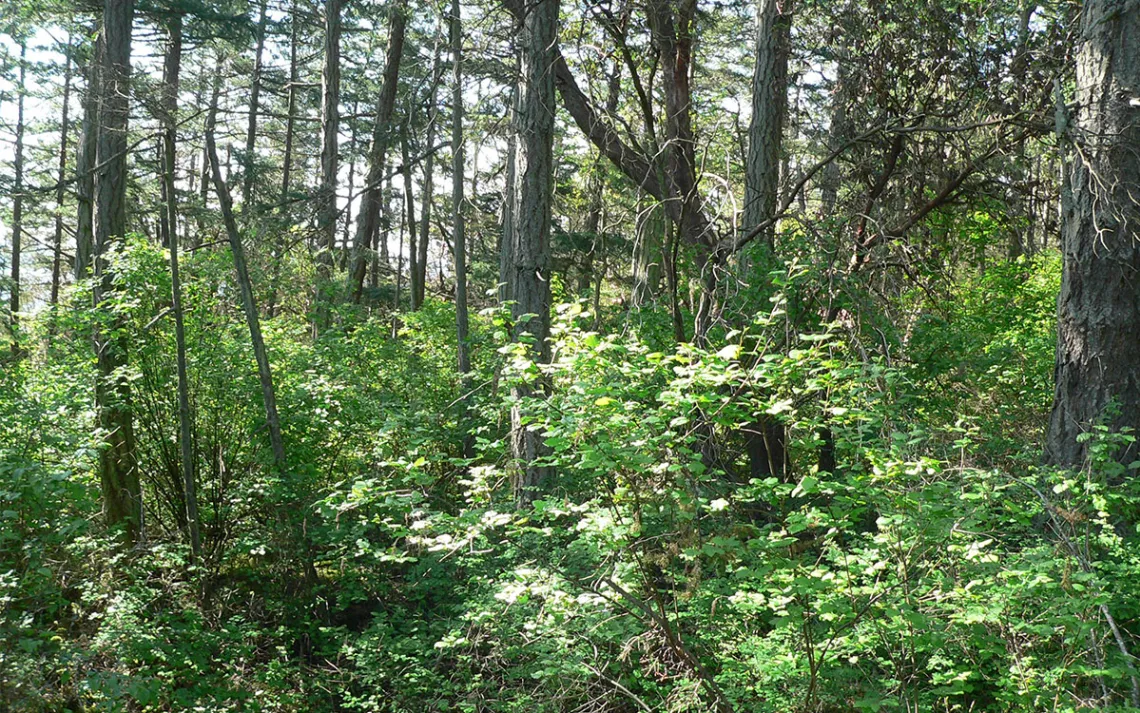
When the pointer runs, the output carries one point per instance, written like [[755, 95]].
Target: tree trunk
[[290, 118], [458, 228], [369, 216], [204, 187], [419, 269], [61, 178], [286, 163], [268, 395], [379, 240], [342, 255], [171, 70], [597, 187], [672, 29], [510, 196], [530, 249], [1098, 353], [769, 105], [764, 165], [18, 201], [254, 100], [326, 198], [409, 220], [647, 258], [85, 162], [122, 495]]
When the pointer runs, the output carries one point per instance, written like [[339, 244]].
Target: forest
[[541, 356]]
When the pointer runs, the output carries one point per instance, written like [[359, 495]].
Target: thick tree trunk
[[18, 200], [330, 164], [369, 216], [61, 178], [250, 159], [763, 166], [122, 495], [1098, 348], [171, 70], [85, 162], [769, 106], [530, 249], [458, 227]]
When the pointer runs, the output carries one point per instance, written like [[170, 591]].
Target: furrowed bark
[[118, 472], [1097, 370]]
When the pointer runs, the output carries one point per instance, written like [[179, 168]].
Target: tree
[[249, 157], [118, 472], [367, 221], [530, 237], [769, 101], [86, 160], [18, 198], [458, 226], [330, 161], [249, 305], [1098, 353], [171, 70], [419, 259], [61, 174]]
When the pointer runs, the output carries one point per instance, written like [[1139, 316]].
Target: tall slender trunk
[[330, 164], [672, 32], [268, 395], [510, 197], [405, 198], [291, 111], [530, 248], [345, 237], [458, 227], [85, 161], [419, 270], [597, 186], [286, 164], [1020, 166], [122, 495], [170, 79], [366, 222], [61, 176], [254, 101], [379, 242], [204, 185], [410, 222], [18, 200]]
